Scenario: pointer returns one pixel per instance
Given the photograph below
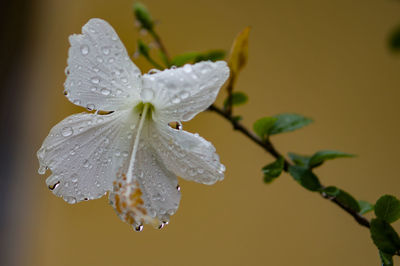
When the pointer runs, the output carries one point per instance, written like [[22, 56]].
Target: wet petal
[[151, 196], [84, 153], [179, 94], [100, 74], [187, 155]]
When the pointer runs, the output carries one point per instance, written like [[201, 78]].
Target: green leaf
[[342, 197], [194, 57], [305, 177], [288, 122], [238, 98], [262, 126], [143, 48], [273, 170], [386, 259], [365, 206], [298, 159], [213, 56], [387, 208], [142, 15], [331, 191], [394, 40], [319, 157], [384, 236]]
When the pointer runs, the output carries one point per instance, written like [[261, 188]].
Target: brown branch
[[269, 147]]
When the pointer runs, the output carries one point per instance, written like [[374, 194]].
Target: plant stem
[[269, 147], [160, 45]]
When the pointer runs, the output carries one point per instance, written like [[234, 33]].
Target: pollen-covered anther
[[126, 198]]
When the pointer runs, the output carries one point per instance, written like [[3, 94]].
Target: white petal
[[84, 153], [187, 155], [151, 196], [100, 74], [181, 93]]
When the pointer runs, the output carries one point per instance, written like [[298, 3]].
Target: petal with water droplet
[[181, 93], [93, 59], [187, 155], [81, 153]]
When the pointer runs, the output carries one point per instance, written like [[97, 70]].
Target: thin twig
[[269, 147]]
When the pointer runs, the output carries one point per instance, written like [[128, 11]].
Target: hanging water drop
[[95, 80], [105, 91], [139, 228]]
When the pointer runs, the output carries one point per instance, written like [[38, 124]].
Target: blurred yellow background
[[325, 59]]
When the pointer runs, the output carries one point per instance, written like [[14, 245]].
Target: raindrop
[[106, 50], [42, 170], [96, 69], [105, 91], [139, 228], [118, 91], [84, 49], [77, 102], [52, 187], [95, 80], [66, 131], [90, 107], [178, 187], [86, 163], [99, 59], [176, 100], [184, 94], [124, 80], [93, 89], [111, 60], [187, 68]]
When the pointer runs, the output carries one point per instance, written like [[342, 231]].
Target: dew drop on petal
[[138, 228], [95, 80], [184, 94], [90, 107], [105, 91], [187, 68], [66, 131], [106, 50], [84, 49]]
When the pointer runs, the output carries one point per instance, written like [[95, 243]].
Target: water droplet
[[86, 163], [42, 170], [105, 91], [96, 69], [90, 107], [99, 59], [106, 50], [95, 80], [118, 91], [138, 228], [147, 94], [178, 187], [77, 102], [52, 187], [111, 60], [200, 170], [70, 200], [67, 131], [184, 94], [176, 100], [187, 68], [125, 154], [84, 49]]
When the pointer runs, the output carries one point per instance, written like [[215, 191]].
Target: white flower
[[131, 152]]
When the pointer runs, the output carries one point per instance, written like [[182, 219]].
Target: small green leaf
[[342, 197], [273, 170], [365, 206], [394, 40], [262, 126], [194, 57], [143, 48], [238, 98], [386, 259], [347, 200], [213, 56], [387, 208], [298, 159], [305, 177], [319, 157], [142, 15], [384, 236], [288, 122], [331, 191]]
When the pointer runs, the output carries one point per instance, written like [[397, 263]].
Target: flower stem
[[269, 147]]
